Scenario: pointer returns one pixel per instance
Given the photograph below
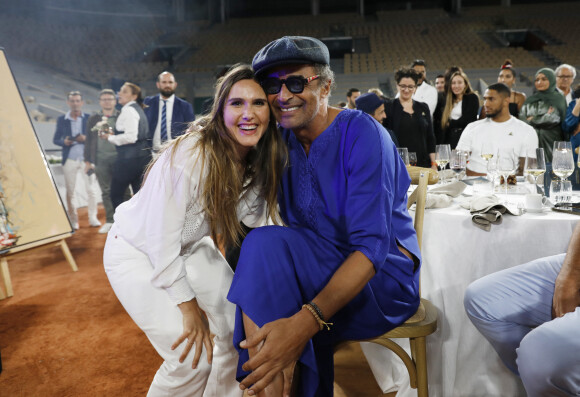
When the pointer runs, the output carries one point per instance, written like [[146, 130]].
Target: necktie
[[164, 121]]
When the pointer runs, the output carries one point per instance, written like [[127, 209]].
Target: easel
[[54, 242]]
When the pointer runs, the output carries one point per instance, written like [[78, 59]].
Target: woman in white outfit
[[160, 255]]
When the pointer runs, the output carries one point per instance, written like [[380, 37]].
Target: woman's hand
[[283, 342], [196, 331]]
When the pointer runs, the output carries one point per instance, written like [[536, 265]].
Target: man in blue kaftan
[[348, 256]]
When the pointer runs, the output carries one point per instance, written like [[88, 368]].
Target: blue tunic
[[348, 194]]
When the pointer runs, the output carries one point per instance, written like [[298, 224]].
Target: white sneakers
[[105, 228], [94, 222]]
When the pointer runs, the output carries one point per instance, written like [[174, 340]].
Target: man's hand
[[68, 141], [566, 295], [282, 342]]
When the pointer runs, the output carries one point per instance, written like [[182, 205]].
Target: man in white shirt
[[424, 93], [565, 75], [168, 115], [499, 130]]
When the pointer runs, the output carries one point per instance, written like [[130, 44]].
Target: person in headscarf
[[545, 110]]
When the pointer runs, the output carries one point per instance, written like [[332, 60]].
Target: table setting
[[460, 245]]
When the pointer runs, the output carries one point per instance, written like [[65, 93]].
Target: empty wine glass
[[458, 162], [535, 164], [507, 163], [492, 171], [562, 159], [412, 158], [404, 153], [442, 155]]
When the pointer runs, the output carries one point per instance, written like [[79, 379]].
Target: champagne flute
[[562, 159], [458, 162], [442, 155], [507, 164], [535, 164], [492, 171]]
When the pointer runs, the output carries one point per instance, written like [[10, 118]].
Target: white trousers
[[129, 272], [70, 169]]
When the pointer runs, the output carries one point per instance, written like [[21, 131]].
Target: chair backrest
[[420, 177]]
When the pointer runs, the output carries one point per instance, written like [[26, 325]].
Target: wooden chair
[[424, 321]]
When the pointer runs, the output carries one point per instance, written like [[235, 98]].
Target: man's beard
[[492, 115], [167, 92]]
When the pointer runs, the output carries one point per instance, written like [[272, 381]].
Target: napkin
[[486, 210], [442, 196]]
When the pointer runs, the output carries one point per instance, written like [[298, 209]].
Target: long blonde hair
[[450, 98], [222, 185]]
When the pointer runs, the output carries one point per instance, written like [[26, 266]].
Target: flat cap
[[368, 102], [290, 50]]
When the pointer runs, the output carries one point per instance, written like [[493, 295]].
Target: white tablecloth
[[455, 253]]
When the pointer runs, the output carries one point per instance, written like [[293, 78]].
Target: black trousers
[[127, 172]]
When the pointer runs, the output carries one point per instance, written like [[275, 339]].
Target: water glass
[[404, 153], [442, 156], [560, 191]]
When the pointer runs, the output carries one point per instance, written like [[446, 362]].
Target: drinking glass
[[562, 159], [535, 164], [442, 155], [487, 151], [404, 153], [507, 163], [560, 191], [492, 171], [412, 158], [457, 162]]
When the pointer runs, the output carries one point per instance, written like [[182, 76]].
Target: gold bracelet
[[321, 323]]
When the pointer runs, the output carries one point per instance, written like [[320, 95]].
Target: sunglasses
[[295, 84]]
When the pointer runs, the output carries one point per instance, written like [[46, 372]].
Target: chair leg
[[421, 363]]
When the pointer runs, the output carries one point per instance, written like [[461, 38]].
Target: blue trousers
[[512, 309]]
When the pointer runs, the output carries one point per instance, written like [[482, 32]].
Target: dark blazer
[[63, 129], [181, 117], [469, 110], [423, 138]]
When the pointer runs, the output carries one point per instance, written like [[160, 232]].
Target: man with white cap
[[346, 266]]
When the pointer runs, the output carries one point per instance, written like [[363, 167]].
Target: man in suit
[[70, 135], [167, 114]]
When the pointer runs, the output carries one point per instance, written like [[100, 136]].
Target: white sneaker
[[94, 222], [105, 228], [75, 226]]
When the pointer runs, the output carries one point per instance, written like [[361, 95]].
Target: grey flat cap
[[291, 50]]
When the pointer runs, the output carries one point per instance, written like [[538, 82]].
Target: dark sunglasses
[[295, 84]]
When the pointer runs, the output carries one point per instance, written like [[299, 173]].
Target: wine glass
[[486, 151], [404, 153], [442, 155], [458, 162], [562, 159], [507, 163], [535, 164], [413, 158]]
